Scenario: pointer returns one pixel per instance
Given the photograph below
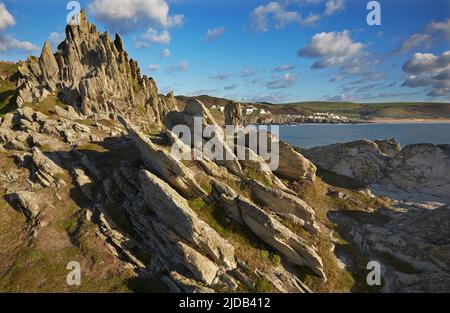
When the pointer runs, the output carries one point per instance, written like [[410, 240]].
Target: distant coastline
[[368, 122], [408, 121]]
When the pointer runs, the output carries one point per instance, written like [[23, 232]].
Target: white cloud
[[331, 49], [56, 38], [140, 44], [441, 28], [415, 41], [434, 32], [334, 6], [247, 72], [284, 81], [165, 53], [311, 19], [180, 67], [284, 67], [429, 70], [213, 34], [231, 87], [126, 15], [6, 19], [280, 15], [222, 76], [154, 67], [8, 42], [269, 98], [152, 35]]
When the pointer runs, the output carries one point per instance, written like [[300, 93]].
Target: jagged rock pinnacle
[[92, 72]]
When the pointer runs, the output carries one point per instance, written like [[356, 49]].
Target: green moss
[[8, 94], [256, 175], [247, 245], [264, 286]]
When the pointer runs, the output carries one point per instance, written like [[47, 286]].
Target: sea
[[313, 135]]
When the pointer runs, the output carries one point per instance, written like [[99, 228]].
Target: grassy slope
[[395, 110], [7, 87]]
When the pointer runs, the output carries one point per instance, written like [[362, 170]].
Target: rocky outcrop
[[233, 114], [44, 169], [196, 109], [84, 182], [251, 160], [412, 246], [197, 157], [174, 212], [25, 202], [291, 164], [93, 73], [268, 229], [424, 168], [285, 204], [164, 164], [421, 168], [390, 147], [362, 160]]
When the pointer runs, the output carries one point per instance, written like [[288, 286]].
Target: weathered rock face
[[292, 165], [412, 246], [46, 171], [164, 164], [233, 114], [92, 72], [84, 183], [268, 228], [390, 147], [196, 109], [173, 211], [25, 201], [362, 159], [285, 204], [424, 167]]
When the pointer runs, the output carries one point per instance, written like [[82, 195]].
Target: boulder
[[26, 202], [180, 283], [390, 147], [196, 109], [292, 165], [424, 168], [268, 229], [251, 160], [362, 160], [84, 183], [173, 211], [200, 266], [164, 164], [285, 204], [46, 171]]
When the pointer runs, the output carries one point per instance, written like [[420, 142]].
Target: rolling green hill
[[356, 111]]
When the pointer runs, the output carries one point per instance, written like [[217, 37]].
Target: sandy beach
[[408, 121]]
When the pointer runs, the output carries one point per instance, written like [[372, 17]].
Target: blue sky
[[250, 50]]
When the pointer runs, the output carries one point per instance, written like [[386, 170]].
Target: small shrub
[[265, 254]]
